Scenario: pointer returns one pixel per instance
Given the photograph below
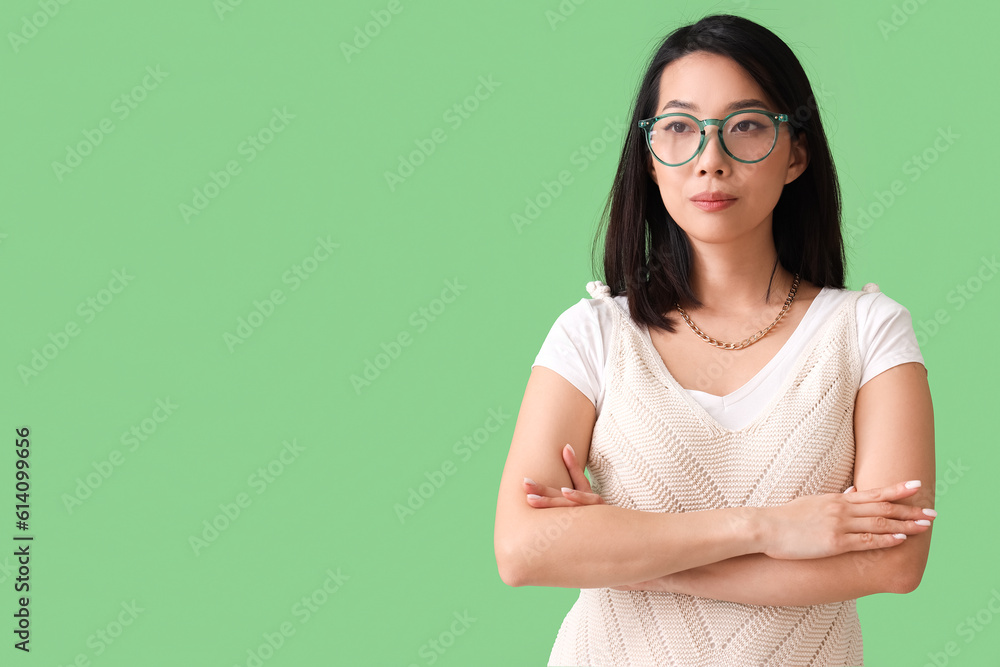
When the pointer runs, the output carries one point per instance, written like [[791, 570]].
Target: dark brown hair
[[646, 254]]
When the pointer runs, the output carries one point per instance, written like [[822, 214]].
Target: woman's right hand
[[834, 523]]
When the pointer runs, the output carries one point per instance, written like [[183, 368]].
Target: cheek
[[671, 186], [760, 184], [772, 183]]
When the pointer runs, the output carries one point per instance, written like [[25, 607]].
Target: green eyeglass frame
[[776, 118]]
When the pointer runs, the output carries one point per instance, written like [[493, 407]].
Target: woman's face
[[705, 85]]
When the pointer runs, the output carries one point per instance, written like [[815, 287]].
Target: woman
[[718, 530]]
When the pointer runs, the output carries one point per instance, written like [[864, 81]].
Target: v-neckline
[[766, 369], [668, 379]]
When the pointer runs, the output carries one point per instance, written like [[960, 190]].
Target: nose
[[712, 157]]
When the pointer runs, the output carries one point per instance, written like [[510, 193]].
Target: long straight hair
[[646, 254]]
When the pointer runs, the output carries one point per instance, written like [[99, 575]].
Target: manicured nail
[[922, 522], [930, 512], [571, 449], [912, 484], [534, 496], [899, 536], [567, 490], [528, 480], [849, 489]]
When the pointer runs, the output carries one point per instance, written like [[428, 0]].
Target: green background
[[331, 505]]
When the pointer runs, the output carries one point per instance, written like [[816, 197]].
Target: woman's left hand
[[540, 496]]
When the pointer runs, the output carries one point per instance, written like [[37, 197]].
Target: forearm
[[761, 580], [602, 545]]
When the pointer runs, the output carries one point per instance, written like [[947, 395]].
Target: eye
[[746, 126]]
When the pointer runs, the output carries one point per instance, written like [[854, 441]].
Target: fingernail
[[930, 512], [534, 496], [528, 480], [899, 536], [922, 522], [912, 484], [567, 490], [849, 489], [571, 448]]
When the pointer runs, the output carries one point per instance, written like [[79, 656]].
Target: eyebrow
[[751, 103]]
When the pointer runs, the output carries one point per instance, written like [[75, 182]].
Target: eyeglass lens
[[748, 136]]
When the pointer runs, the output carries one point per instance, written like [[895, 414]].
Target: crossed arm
[[894, 442]]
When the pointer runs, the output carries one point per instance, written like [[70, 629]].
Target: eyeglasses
[[747, 136]]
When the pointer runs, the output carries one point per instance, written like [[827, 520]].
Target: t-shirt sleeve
[[886, 336], [574, 349]]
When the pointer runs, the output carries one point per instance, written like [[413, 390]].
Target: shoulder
[[588, 325], [582, 313], [594, 311], [876, 310], [581, 325], [872, 306], [886, 337], [576, 346]]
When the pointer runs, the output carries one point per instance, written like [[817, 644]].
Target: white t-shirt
[[577, 348]]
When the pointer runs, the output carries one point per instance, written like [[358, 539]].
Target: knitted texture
[[655, 449]]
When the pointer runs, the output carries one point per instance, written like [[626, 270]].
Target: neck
[[733, 281]]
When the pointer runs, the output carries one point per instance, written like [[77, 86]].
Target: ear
[[649, 167], [798, 158]]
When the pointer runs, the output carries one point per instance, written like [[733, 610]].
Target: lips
[[713, 195]]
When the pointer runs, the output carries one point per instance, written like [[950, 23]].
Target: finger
[[531, 486], [866, 541], [575, 468], [882, 526], [897, 511], [582, 497], [890, 493], [540, 502]]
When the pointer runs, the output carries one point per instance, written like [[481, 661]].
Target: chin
[[716, 228]]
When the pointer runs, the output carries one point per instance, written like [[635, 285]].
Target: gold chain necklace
[[747, 341]]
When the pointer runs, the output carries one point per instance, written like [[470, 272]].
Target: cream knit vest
[[655, 449]]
